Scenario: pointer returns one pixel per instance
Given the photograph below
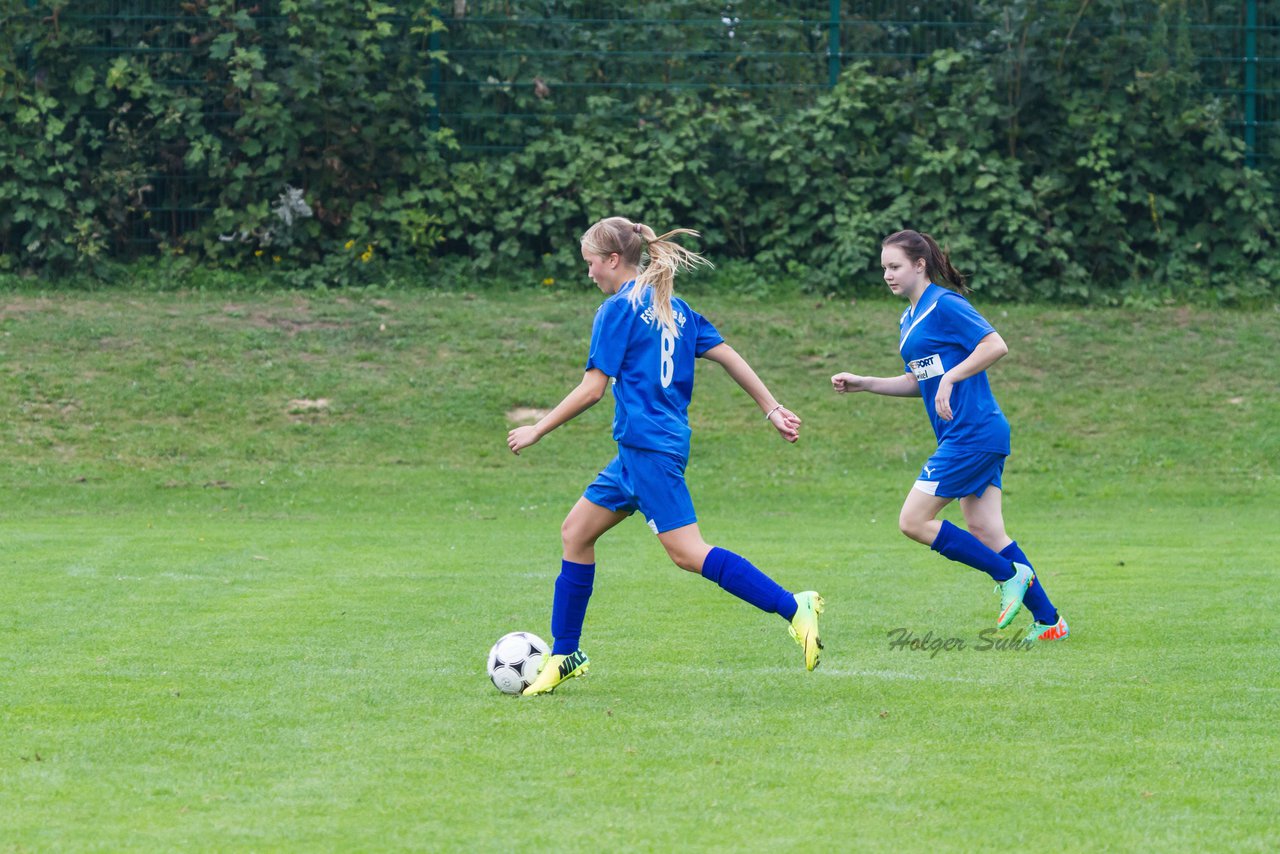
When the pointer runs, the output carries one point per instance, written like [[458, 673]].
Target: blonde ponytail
[[666, 258], [632, 240]]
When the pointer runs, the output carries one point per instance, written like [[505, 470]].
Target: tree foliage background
[[1061, 150]]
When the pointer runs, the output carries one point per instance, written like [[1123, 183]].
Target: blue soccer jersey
[[652, 369], [937, 334]]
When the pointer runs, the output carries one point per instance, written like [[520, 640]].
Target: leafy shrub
[[187, 147], [1082, 168], [1061, 151]]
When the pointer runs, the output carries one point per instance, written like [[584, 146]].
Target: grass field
[[256, 547]]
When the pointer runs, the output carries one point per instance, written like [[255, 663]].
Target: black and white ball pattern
[[514, 661]]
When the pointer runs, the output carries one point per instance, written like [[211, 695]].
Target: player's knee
[[688, 557], [571, 535], [685, 560], [915, 529]]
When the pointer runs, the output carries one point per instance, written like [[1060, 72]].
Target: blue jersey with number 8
[[652, 369]]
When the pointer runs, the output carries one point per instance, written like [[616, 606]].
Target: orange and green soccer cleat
[[1011, 593], [804, 626], [1041, 632], [555, 669]]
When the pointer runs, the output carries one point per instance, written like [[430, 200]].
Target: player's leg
[[948, 475], [663, 497], [918, 518], [975, 548], [734, 573], [605, 503], [586, 523], [737, 575], [984, 516]]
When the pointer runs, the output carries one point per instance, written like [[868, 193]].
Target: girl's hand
[[786, 422], [942, 400], [522, 437], [846, 382]]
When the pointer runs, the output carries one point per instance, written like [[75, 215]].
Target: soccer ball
[[514, 661]]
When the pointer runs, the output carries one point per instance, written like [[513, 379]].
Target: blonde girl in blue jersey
[[946, 347], [643, 342]]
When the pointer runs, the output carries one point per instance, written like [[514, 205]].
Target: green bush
[[246, 140], [1060, 151], [1083, 169]]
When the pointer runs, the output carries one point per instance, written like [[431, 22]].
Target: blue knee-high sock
[[569, 607], [1036, 600], [738, 576], [959, 545]]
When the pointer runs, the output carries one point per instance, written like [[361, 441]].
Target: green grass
[[232, 620]]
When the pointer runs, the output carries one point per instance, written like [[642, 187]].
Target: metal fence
[[513, 73], [517, 69]]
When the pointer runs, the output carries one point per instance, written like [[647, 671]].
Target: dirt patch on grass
[[24, 305], [291, 321], [526, 414], [292, 326], [307, 406]]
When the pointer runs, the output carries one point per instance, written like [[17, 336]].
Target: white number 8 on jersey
[[668, 365]]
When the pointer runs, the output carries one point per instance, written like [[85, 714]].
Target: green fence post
[[833, 44], [1251, 83], [433, 47], [31, 56]]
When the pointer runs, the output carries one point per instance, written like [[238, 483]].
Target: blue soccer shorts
[[959, 473], [649, 481]]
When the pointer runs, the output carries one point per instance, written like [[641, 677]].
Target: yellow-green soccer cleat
[[804, 626], [1011, 593], [1041, 632], [555, 669]]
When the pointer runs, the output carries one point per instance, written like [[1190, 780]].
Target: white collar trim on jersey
[[903, 342]]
